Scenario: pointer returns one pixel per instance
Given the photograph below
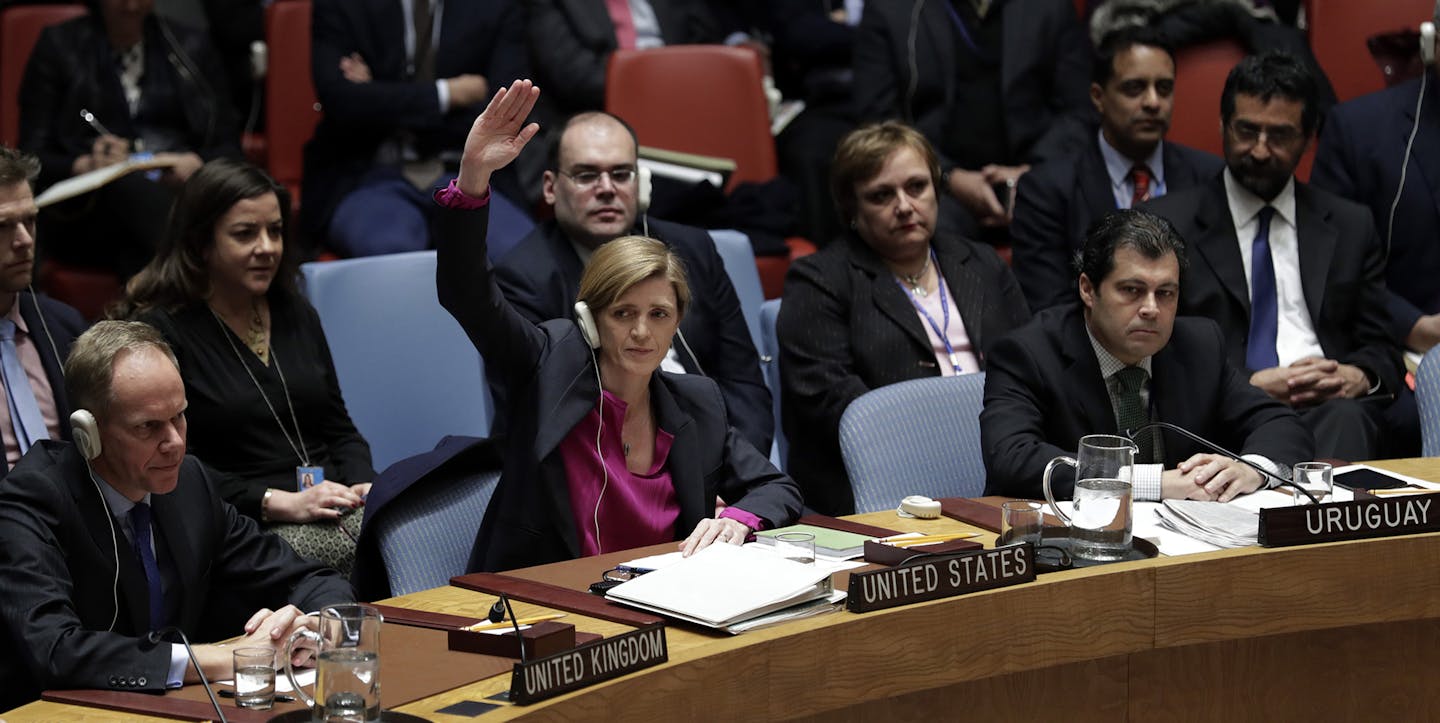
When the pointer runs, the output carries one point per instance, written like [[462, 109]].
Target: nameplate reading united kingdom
[[1357, 520], [932, 578], [588, 664]]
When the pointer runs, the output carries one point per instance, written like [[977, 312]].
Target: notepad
[[828, 542], [723, 584]]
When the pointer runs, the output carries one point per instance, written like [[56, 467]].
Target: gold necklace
[[257, 339]]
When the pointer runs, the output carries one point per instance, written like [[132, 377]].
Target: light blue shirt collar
[[1117, 166]]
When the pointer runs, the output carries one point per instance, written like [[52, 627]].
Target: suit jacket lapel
[[1426, 153], [938, 28], [132, 590], [1088, 390], [885, 293], [170, 519], [1093, 180], [390, 22], [593, 21], [1316, 244], [965, 286], [684, 461], [1217, 243]]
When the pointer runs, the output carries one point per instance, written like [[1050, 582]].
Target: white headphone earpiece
[[586, 321], [86, 433], [1427, 42]]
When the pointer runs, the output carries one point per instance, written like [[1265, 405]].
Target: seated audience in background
[[984, 103], [605, 451], [895, 301], [35, 331], [151, 87], [591, 182], [1362, 155], [122, 534], [265, 406], [1293, 275], [1128, 162], [1120, 359], [399, 90]]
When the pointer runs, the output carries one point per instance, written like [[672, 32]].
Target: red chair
[[292, 110], [20, 27], [707, 100], [1339, 29]]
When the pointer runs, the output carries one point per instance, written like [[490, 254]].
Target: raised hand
[[497, 136]]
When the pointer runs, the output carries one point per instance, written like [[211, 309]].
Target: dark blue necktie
[[140, 532], [1260, 346]]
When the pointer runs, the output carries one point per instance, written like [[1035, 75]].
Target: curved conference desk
[[1337, 631]]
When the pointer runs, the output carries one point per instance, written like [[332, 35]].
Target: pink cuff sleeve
[[452, 197], [743, 517]]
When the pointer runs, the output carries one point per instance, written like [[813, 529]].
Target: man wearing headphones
[[119, 536], [593, 182], [35, 331]]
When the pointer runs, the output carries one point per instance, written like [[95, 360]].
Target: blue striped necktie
[[25, 414], [1264, 308]]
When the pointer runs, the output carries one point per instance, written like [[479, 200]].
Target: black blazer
[[1044, 68], [540, 278], [846, 327], [1358, 157], [571, 40], [1059, 199], [52, 336], [483, 37], [57, 567], [71, 68], [1342, 270], [1043, 392], [551, 372]]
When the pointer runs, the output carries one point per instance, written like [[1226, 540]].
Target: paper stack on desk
[[1218, 523], [723, 585]]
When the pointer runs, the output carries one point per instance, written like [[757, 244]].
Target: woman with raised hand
[[604, 452]]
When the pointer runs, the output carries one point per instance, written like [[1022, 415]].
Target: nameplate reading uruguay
[[588, 664], [940, 576], [1357, 520]]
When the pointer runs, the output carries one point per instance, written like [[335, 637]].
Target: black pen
[[279, 697]]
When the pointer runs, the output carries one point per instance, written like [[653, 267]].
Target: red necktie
[[624, 23], [1140, 175]]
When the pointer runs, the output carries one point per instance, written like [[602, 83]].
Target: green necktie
[[1131, 412]]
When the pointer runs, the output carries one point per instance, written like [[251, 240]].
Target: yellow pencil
[[929, 539], [477, 627]]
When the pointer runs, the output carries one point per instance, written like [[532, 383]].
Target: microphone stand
[[158, 636], [1280, 481]]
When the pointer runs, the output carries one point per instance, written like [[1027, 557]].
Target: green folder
[[828, 542]]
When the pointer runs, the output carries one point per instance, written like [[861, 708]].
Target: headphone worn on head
[[86, 433], [586, 321]]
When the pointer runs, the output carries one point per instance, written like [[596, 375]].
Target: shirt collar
[[1118, 166], [119, 504], [14, 315], [1109, 365], [1245, 205]]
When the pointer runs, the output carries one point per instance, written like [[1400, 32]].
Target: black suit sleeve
[[42, 99], [336, 33], [817, 365], [1039, 244], [1373, 350], [558, 52], [1012, 424]]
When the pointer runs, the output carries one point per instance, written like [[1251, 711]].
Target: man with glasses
[[592, 181], [1293, 275]]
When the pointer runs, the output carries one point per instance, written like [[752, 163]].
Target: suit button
[[114, 681], [132, 682], [143, 681]]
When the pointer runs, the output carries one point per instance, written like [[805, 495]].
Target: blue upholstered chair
[[770, 365], [425, 535], [739, 258], [920, 437], [1427, 398], [407, 371]]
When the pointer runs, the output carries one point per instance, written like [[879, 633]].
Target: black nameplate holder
[[1357, 520], [588, 664], [932, 578]]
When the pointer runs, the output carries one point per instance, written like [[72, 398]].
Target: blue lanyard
[[965, 33], [944, 311]]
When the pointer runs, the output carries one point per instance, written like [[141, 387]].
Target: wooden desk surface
[[1232, 634]]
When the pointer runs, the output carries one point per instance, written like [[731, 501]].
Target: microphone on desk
[[158, 636], [1280, 481]]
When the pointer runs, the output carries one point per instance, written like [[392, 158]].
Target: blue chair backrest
[[920, 437], [425, 535], [1427, 398], [407, 371], [770, 367], [508, 224], [739, 258]]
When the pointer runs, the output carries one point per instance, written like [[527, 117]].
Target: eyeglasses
[[587, 179], [1251, 133]]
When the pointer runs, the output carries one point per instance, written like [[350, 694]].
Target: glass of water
[[1317, 478], [255, 678], [796, 546]]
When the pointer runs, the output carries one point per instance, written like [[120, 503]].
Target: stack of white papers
[[722, 585], [1217, 523]]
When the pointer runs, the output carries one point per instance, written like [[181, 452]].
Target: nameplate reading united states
[[588, 664], [1357, 520], [931, 578]]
